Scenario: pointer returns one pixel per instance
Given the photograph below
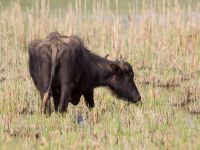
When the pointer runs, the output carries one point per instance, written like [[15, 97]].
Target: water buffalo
[[62, 67]]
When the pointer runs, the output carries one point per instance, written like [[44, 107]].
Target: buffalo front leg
[[88, 95], [64, 99], [56, 100]]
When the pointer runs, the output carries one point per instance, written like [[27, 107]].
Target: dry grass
[[163, 46], [188, 99]]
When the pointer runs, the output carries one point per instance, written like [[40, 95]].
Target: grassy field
[[162, 42]]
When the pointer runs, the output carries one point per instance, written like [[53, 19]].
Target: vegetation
[[161, 42]]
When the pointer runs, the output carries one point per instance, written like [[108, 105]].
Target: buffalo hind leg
[[46, 104], [43, 83], [88, 95]]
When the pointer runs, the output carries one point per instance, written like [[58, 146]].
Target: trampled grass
[[162, 44]]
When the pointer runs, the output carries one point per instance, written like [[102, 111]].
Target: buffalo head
[[121, 81]]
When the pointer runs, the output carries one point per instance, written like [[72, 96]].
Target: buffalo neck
[[100, 70]]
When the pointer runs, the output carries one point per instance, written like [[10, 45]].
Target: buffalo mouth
[[137, 103], [132, 100]]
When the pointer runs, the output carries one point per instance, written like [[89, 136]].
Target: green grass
[[124, 6], [163, 47]]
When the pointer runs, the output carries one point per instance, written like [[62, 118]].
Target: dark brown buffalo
[[62, 67]]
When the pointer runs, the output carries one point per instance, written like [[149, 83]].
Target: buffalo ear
[[115, 67]]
